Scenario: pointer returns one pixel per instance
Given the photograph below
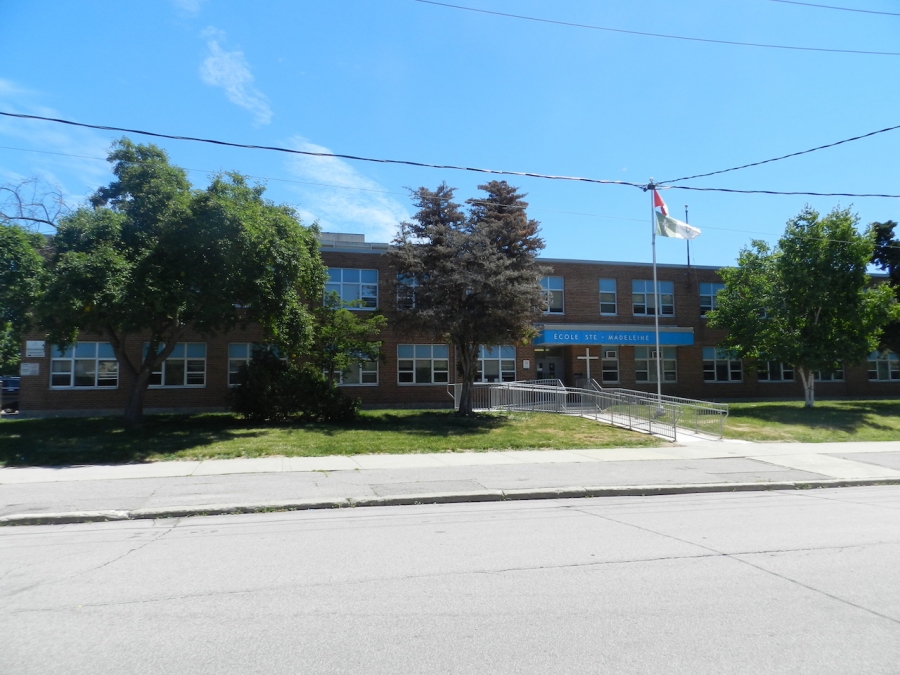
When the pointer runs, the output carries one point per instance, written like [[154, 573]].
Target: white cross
[[587, 358]]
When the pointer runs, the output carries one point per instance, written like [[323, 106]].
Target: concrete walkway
[[40, 495]]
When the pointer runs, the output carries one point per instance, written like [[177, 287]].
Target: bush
[[272, 390]]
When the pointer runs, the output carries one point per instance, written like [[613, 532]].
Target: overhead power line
[[657, 35], [776, 159], [292, 151], [843, 9], [642, 186]]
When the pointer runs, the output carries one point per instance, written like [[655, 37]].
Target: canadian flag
[[669, 227]]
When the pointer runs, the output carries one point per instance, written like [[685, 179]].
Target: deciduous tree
[[21, 281], [151, 257], [471, 279], [808, 301]]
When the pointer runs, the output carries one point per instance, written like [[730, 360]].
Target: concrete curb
[[434, 498]]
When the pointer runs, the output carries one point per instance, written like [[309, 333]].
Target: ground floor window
[[185, 367], [772, 371], [645, 365], [239, 354], [609, 365], [423, 364], [360, 373], [720, 365], [496, 364], [84, 364], [884, 367], [836, 375]]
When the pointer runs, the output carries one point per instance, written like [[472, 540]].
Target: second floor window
[[644, 300], [708, 297], [354, 285], [553, 294], [608, 296]]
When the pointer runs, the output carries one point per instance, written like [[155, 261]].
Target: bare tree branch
[[32, 202]]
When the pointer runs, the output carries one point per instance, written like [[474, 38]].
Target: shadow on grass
[[105, 440], [844, 416]]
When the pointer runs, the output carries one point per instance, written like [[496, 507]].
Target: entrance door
[[550, 368]]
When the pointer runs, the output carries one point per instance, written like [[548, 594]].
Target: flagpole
[[652, 187], [688, 241]]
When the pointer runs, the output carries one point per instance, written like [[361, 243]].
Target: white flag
[[666, 226]]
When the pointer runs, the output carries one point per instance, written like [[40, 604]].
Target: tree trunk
[[808, 378], [466, 368], [134, 408]]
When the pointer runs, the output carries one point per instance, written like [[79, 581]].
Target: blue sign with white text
[[611, 337]]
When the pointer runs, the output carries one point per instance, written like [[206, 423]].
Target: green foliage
[[887, 256], [344, 338], [475, 277], [21, 282], [273, 389], [808, 302], [151, 257]]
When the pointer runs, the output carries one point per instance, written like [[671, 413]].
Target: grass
[[78, 440], [73, 440], [828, 421]]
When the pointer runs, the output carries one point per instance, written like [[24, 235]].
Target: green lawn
[[75, 440], [56, 441], [828, 421]]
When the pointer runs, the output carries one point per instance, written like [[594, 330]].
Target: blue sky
[[402, 79]]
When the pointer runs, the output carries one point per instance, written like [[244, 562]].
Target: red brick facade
[[581, 307]]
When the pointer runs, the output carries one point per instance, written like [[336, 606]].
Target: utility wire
[[656, 35], [843, 9], [776, 159], [275, 148], [333, 185], [643, 186]]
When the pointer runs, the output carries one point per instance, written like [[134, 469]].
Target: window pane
[[178, 352], [404, 351], [423, 351], [105, 351], [423, 372], [441, 351], [196, 350], [351, 276], [85, 349], [174, 373], [369, 276], [85, 372], [239, 350]]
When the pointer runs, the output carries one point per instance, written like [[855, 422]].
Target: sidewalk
[[38, 495]]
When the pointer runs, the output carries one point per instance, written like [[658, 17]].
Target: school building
[[599, 325]]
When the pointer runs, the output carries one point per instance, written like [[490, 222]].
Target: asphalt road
[[764, 582]]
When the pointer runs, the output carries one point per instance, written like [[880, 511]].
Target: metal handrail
[[636, 410]]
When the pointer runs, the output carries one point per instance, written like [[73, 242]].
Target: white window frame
[[642, 297], [836, 375], [645, 362], [188, 362], [764, 370], [413, 360], [720, 365], [609, 291], [98, 357], [237, 359], [609, 365], [550, 287], [883, 367], [500, 360], [354, 284], [363, 374], [708, 293], [406, 292]]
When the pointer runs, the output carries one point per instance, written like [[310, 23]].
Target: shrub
[[270, 389]]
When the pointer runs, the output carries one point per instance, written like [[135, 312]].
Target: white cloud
[[231, 72], [188, 7], [343, 200]]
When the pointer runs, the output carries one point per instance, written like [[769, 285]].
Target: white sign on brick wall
[[26, 369], [34, 349]]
